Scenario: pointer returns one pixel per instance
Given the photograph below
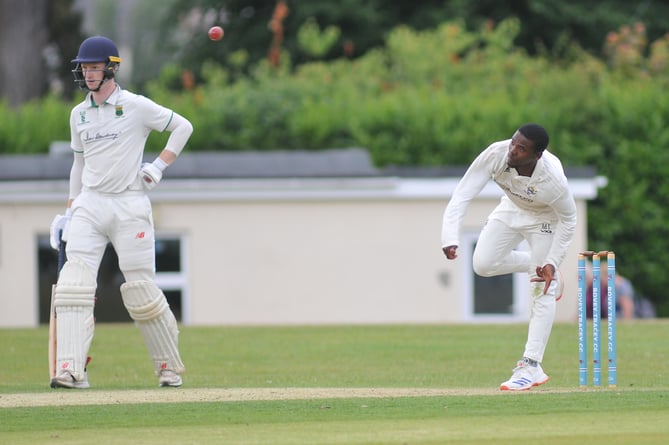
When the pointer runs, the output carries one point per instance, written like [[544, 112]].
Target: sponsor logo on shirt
[[100, 136], [546, 228], [516, 194]]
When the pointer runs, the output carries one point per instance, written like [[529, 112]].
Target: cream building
[[282, 238]]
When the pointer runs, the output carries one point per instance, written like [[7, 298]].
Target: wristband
[[160, 164]]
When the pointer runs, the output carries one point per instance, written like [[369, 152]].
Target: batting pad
[[148, 306], [74, 301]]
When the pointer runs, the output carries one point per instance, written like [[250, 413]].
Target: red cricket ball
[[215, 33]]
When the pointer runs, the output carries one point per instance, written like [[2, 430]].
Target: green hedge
[[437, 98]]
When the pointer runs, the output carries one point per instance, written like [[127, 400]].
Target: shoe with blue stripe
[[526, 374]]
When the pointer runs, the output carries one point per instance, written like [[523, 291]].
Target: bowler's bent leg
[[494, 254]]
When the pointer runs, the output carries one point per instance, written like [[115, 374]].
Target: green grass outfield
[[404, 385]]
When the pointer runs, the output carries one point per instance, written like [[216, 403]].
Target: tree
[[24, 35], [65, 36], [547, 26], [550, 24], [36, 34], [363, 25]]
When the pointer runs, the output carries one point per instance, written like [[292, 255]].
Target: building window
[[171, 273], [170, 277], [493, 295]]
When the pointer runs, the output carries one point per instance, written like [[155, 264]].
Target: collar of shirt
[[112, 99]]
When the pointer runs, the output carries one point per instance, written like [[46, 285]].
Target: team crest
[[119, 110], [531, 191]]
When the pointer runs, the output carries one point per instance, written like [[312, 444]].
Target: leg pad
[[74, 302], [148, 307]]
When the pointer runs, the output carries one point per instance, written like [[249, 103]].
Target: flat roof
[[346, 173]]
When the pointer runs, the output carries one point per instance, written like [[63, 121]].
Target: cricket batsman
[[108, 203]]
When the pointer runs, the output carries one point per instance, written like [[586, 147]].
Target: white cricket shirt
[[112, 136], [544, 196]]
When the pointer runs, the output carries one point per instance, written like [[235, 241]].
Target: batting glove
[[152, 173], [59, 227]]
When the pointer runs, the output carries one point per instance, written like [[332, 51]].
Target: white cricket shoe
[[169, 378], [524, 377], [66, 380]]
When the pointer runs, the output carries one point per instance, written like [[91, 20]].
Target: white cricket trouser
[[494, 255], [125, 220]]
